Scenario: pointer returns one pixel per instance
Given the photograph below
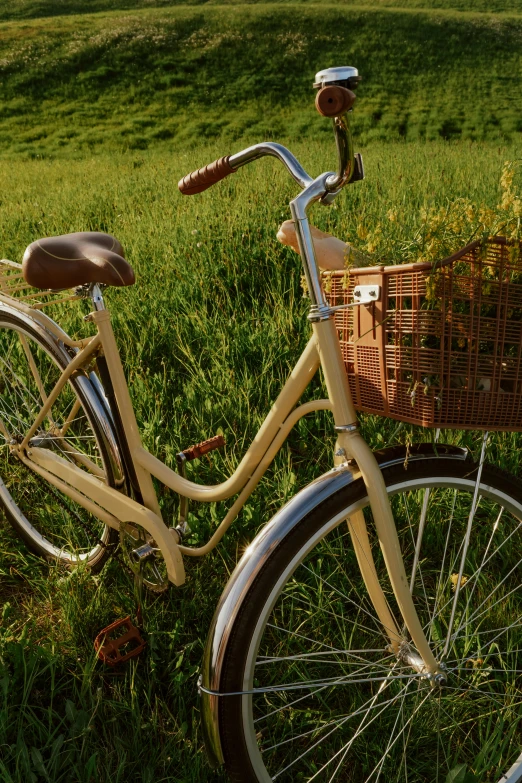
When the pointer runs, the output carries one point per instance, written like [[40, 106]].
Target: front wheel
[[322, 697]]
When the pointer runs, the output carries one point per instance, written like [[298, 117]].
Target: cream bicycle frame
[[113, 507], [351, 451]]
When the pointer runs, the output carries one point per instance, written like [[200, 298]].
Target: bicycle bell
[[344, 76]]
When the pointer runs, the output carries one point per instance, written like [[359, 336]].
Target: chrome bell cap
[[338, 75]]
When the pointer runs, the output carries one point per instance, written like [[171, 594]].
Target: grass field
[[101, 115], [212, 327]]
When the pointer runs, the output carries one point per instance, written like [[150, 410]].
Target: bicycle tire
[[381, 719], [50, 523]]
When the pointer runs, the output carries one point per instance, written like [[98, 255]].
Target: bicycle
[[343, 646]]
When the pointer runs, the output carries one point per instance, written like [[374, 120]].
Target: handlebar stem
[[319, 311]]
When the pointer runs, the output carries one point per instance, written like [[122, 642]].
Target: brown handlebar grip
[[203, 178], [334, 100]]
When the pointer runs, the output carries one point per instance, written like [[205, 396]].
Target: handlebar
[[204, 178], [333, 99]]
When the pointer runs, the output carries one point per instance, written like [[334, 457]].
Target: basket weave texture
[[443, 345]]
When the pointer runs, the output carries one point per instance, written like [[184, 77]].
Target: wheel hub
[[413, 659]]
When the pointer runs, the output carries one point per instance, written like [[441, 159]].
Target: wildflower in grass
[[374, 239], [455, 579], [432, 249], [432, 286], [348, 257], [510, 203], [514, 253], [470, 213], [506, 185], [486, 218]]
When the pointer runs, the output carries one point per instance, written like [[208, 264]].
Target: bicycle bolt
[[340, 453], [440, 679]]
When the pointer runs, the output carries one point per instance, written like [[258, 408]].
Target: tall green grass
[[176, 77], [208, 334]]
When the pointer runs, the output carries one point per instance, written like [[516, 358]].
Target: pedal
[[193, 452], [197, 451], [118, 642]]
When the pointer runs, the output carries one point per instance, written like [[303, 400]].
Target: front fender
[[253, 561]]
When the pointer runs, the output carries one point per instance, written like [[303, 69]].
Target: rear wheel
[[51, 523], [324, 698]]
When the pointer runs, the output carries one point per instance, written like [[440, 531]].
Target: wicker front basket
[[443, 345]]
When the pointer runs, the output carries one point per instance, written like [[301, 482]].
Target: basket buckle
[[362, 295]]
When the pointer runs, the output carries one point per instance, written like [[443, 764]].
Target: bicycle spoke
[[349, 600], [391, 744], [474, 577], [476, 616], [336, 616], [364, 710], [300, 656], [32, 365]]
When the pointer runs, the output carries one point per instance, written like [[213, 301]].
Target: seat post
[[97, 297]]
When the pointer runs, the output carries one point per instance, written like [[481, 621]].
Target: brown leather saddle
[[75, 259]]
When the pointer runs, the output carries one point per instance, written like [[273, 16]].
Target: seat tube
[[101, 317]]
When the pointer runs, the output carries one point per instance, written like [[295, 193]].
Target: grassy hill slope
[[28, 9], [129, 80]]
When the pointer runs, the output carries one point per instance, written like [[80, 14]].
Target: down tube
[[289, 396]]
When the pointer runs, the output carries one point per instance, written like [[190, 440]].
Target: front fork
[[350, 445]]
